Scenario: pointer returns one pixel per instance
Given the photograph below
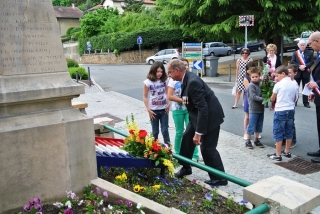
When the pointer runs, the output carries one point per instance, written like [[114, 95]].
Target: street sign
[[197, 65], [139, 40], [192, 51], [247, 20], [88, 46]]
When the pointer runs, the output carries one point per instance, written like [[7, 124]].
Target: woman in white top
[[158, 105]]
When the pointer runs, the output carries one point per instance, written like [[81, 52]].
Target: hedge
[[128, 40], [83, 74]]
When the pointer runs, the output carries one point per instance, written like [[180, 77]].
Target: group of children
[[285, 94]]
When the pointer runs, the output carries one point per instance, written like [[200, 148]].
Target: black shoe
[[288, 155], [248, 144], [314, 154], [266, 105], [182, 172], [221, 182], [315, 160], [258, 144], [306, 105]]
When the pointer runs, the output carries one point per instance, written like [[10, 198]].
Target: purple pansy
[[68, 211], [128, 203], [27, 208], [105, 194], [37, 200], [38, 207]]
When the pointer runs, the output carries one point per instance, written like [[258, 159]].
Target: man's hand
[[167, 109], [197, 139], [311, 97], [312, 85], [302, 67]]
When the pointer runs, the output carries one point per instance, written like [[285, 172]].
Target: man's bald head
[[314, 41]]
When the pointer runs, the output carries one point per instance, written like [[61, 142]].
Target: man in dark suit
[[304, 60], [314, 42], [206, 115]]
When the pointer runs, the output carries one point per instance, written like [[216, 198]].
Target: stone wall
[[110, 58]]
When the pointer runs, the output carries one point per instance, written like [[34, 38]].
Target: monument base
[[45, 154]]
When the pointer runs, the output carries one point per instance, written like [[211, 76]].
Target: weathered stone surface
[[47, 146], [99, 128], [110, 58], [283, 195]]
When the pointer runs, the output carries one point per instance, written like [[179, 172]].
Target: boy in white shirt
[[285, 94]]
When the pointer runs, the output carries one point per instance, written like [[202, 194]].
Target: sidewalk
[[251, 165]]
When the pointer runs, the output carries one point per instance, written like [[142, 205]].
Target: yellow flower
[[169, 165], [156, 187], [136, 188], [118, 177], [142, 189], [124, 176]]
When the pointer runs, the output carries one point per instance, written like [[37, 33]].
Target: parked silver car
[[164, 56], [216, 49]]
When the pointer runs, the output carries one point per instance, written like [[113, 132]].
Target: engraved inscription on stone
[[29, 43]]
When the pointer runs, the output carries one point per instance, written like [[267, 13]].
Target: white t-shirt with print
[[157, 94], [287, 94], [176, 85]]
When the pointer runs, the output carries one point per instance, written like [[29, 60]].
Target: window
[[161, 53]]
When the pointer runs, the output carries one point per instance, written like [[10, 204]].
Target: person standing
[[240, 73], [179, 112], [256, 109], [285, 94], [157, 106], [304, 60], [273, 58], [314, 43], [206, 115]]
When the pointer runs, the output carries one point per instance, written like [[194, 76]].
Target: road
[[127, 79]]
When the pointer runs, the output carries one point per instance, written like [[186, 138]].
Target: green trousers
[[181, 118]]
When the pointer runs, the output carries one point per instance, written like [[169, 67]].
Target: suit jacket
[[278, 62], [316, 76], [205, 110], [308, 55]]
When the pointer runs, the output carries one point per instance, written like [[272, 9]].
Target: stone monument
[[46, 145]]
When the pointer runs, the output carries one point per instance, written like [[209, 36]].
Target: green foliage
[[72, 63], [83, 74], [65, 3], [218, 19], [123, 41], [132, 6], [70, 29], [92, 22]]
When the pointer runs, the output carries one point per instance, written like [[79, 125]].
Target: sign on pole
[[88, 46], [247, 20], [193, 52], [197, 64], [139, 42]]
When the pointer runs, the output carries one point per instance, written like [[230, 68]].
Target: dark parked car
[[252, 45]]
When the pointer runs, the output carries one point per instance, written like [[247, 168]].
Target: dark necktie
[[318, 57]]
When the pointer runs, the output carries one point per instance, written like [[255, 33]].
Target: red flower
[[131, 131], [156, 147], [142, 133]]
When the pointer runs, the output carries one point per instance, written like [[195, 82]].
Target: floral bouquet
[[141, 145], [267, 83]]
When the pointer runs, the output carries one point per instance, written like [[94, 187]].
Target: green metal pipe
[[259, 209], [231, 178], [116, 131]]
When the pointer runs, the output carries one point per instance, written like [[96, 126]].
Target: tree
[[92, 22], [218, 19], [133, 6], [64, 3]]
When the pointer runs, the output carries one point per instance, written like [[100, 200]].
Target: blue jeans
[[162, 118], [283, 125], [255, 123]]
